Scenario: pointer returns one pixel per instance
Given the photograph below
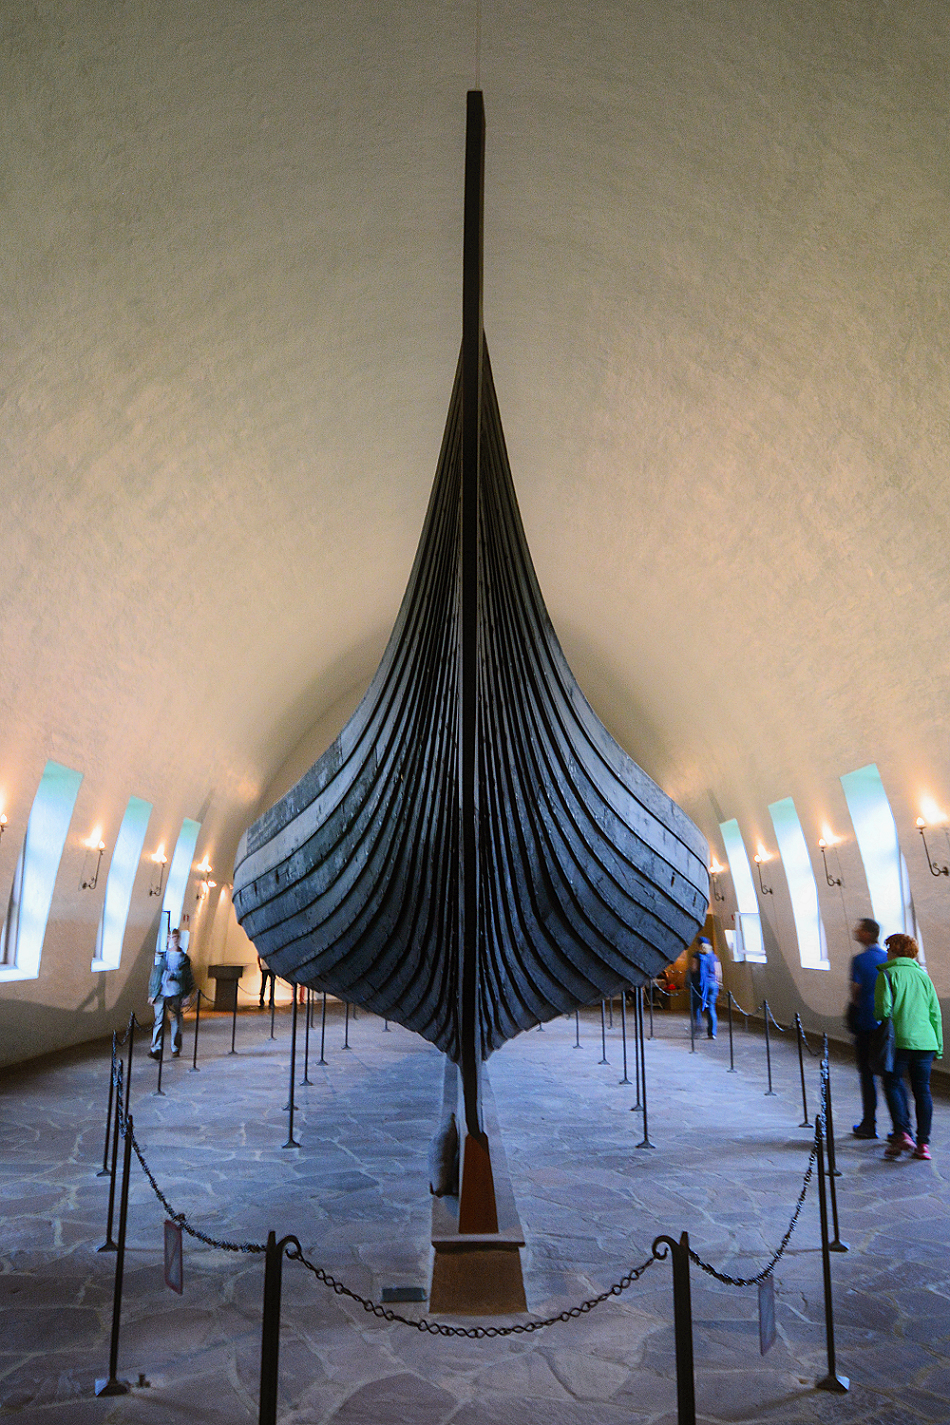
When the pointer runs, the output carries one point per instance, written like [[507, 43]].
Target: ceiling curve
[[716, 300]]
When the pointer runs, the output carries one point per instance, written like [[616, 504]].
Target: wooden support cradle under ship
[[474, 854]]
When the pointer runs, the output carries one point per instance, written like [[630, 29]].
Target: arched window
[[125, 863], [749, 944], [21, 940], [802, 887]]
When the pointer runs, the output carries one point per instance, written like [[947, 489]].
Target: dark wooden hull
[[589, 878]]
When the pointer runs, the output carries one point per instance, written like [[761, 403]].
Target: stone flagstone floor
[[727, 1166]]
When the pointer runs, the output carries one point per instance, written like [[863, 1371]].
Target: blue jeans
[[709, 1009], [917, 1062]]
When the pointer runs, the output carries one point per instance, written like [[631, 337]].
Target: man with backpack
[[170, 983]]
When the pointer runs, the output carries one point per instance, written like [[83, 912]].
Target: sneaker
[[861, 1130], [175, 1053], [154, 1053], [922, 1151], [903, 1143]]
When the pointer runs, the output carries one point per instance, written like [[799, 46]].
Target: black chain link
[[472, 1333], [770, 1267]]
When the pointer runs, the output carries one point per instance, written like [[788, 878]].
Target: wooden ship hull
[[474, 854]]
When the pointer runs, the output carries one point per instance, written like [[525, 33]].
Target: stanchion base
[[837, 1246], [838, 1385], [111, 1386], [646, 1144], [305, 1083], [625, 1081], [600, 1061], [159, 1093], [805, 1123], [291, 1143], [194, 1069], [107, 1247], [836, 1173], [103, 1173]]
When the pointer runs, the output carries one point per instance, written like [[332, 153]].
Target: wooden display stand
[[477, 1272]]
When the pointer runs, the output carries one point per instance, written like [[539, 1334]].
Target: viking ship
[[474, 854]]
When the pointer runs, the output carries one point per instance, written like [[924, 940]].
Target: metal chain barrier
[[436, 1328], [473, 1333], [770, 1267]]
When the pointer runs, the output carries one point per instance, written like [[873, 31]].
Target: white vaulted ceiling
[[717, 304]]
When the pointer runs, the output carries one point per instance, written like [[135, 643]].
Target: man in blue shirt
[[864, 968]]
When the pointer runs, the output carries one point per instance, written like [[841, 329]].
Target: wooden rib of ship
[[474, 854]]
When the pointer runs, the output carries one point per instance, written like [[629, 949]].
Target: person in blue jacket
[[864, 968], [704, 986]]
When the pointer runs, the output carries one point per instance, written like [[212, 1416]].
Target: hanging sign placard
[[173, 1257]]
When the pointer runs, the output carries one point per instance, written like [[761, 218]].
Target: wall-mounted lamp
[[89, 883], [766, 890], [3, 823], [159, 861], [206, 884], [935, 870], [832, 880], [715, 871]]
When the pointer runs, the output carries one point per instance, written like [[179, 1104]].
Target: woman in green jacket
[[904, 992]]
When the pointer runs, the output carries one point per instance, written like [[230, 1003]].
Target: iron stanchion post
[[386, 1029], [833, 1170], [346, 1027], [800, 1034], [643, 1071], [194, 1053], [104, 1170], [603, 1033], [610, 1012], [651, 1008], [682, 1325], [159, 1091], [577, 1030], [623, 1031], [693, 997], [112, 1385], [732, 1060], [270, 1325], [769, 1092], [127, 1087], [234, 1008], [273, 1005], [306, 1039], [323, 1028], [832, 1381], [637, 1043], [108, 1245], [291, 1141]]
